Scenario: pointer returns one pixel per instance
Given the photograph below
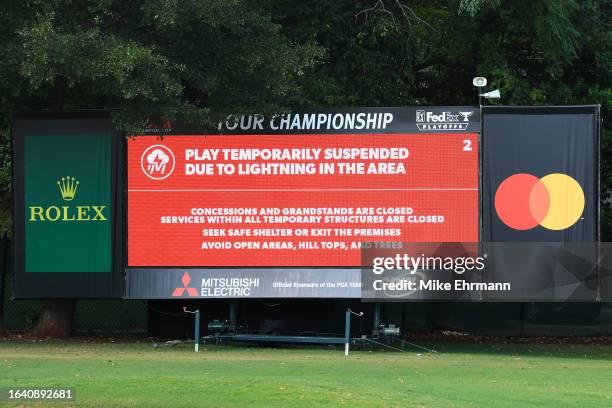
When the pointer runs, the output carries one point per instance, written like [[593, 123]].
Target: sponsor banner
[[541, 174], [68, 203], [67, 235], [438, 119], [296, 200], [242, 283], [489, 271]]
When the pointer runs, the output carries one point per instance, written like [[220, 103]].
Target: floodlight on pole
[[479, 82]]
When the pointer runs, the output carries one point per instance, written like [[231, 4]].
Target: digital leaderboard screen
[[296, 200]]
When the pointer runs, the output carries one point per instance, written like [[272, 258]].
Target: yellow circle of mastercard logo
[[555, 201]]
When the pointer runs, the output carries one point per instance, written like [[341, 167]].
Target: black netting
[[129, 317]]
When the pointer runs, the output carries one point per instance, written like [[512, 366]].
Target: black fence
[[91, 316], [142, 317]]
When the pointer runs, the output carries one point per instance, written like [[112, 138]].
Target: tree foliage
[[180, 59], [192, 60]]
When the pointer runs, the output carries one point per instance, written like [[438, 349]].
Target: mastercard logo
[[555, 201]]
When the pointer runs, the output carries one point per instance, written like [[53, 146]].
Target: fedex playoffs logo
[[427, 120], [157, 162]]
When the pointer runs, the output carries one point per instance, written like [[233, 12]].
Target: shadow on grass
[[478, 348]]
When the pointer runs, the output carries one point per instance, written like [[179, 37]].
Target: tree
[[400, 52], [196, 60], [191, 60]]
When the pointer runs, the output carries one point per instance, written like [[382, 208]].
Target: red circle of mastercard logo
[[555, 201]]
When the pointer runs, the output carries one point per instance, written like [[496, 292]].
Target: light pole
[[347, 329], [479, 83], [196, 333]]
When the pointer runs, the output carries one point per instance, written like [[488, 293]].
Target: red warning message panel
[[296, 200]]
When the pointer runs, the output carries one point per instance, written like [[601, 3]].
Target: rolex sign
[[67, 197]]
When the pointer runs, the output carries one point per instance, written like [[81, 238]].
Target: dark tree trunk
[[59, 91], [5, 245], [55, 319]]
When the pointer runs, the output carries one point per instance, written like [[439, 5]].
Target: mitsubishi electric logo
[[427, 120], [185, 280], [67, 188]]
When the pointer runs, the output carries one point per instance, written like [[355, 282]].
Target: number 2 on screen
[[467, 145]]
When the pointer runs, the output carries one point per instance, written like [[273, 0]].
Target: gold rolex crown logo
[[68, 187]]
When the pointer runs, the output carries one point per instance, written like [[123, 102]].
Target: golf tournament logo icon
[[68, 187], [555, 202], [157, 162], [186, 279], [420, 116], [466, 115]]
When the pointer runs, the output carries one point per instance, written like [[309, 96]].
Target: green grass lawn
[[460, 375]]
